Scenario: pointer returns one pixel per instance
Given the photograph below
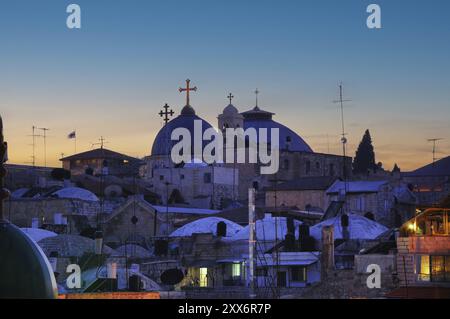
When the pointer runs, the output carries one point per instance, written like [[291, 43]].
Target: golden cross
[[188, 89]]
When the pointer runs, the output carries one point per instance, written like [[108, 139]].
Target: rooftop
[[99, 153]]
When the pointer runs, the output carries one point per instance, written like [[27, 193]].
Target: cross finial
[[188, 89], [166, 113], [256, 93], [230, 97]]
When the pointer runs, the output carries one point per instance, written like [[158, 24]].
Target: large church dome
[[163, 143], [289, 140]]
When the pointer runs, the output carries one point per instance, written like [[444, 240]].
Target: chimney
[[327, 250]]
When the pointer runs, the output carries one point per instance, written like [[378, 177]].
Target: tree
[[365, 156]]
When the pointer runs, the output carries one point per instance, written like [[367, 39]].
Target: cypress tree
[[365, 156]]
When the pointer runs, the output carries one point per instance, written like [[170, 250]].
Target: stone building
[[296, 160], [308, 193], [102, 162], [423, 258], [387, 202], [430, 183]]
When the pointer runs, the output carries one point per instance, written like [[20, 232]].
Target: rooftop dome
[[71, 246], [359, 228], [289, 140], [24, 269], [75, 193], [230, 110], [163, 144], [37, 234], [268, 229], [206, 226]]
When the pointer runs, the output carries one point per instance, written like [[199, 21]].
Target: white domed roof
[[205, 226], [268, 229], [76, 193], [359, 228], [37, 234]]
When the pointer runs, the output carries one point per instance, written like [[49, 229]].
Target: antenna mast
[[434, 141], [341, 102], [44, 130]]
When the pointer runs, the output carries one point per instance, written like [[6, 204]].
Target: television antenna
[[44, 136], [434, 141], [341, 102]]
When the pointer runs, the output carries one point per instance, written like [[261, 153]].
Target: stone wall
[[300, 198]]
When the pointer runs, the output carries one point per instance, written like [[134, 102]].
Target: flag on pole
[[72, 135]]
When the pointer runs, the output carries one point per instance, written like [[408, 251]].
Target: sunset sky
[[112, 77]]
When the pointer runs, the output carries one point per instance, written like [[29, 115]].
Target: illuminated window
[[236, 270], [433, 268], [203, 277], [423, 268]]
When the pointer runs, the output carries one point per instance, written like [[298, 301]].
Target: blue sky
[[112, 77]]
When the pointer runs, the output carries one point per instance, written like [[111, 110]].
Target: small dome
[[266, 230], [75, 193], [206, 226], [359, 228], [24, 269], [230, 110], [37, 234], [71, 246]]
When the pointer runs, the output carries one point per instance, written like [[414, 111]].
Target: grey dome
[[25, 272], [163, 144], [289, 140]]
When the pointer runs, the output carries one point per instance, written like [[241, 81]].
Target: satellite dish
[[172, 276]]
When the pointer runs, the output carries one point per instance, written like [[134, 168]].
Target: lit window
[[203, 277], [236, 270]]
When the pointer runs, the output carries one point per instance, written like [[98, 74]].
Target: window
[[207, 178], [203, 280], [182, 176], [298, 273], [286, 164], [236, 270], [433, 268], [161, 177], [256, 185], [317, 165]]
